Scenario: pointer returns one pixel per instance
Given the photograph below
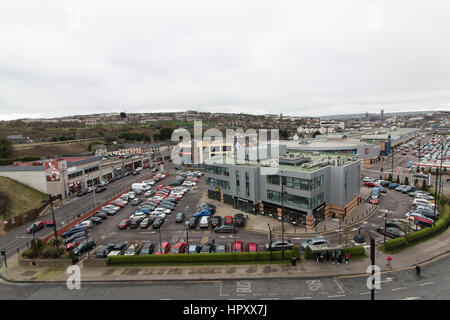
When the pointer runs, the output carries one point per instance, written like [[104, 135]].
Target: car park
[[180, 217], [158, 223], [117, 249], [216, 221], [136, 222], [208, 248], [124, 224], [146, 222]]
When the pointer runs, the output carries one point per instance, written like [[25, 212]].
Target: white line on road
[[340, 287], [362, 293], [424, 284], [301, 298], [270, 298], [396, 289], [337, 296]]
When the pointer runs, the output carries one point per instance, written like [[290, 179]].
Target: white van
[[140, 186], [204, 222]]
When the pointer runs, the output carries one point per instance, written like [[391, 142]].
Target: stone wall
[[94, 263], [44, 262]]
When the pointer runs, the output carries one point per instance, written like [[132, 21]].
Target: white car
[[90, 189], [164, 210], [113, 207], [131, 195], [423, 202], [368, 179], [87, 224], [130, 251], [180, 195], [136, 215], [125, 197], [189, 183], [149, 193], [161, 215]]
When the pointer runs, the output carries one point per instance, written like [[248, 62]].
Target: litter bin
[[294, 261]]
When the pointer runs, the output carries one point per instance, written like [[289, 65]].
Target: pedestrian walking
[[389, 260], [347, 258], [340, 258], [333, 257], [327, 255]]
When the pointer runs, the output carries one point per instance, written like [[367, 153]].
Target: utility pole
[[187, 237], [54, 225], [270, 242]]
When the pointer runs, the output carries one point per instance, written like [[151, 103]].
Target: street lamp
[[439, 173], [385, 218], [187, 236], [372, 256], [282, 218]]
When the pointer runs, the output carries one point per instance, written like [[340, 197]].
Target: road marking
[[337, 296], [396, 289], [340, 287], [301, 298], [424, 284], [411, 298], [363, 293], [243, 287], [270, 298]]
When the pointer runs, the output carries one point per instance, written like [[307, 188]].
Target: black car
[[208, 248], [225, 228], [109, 212], [72, 231], [103, 251], [175, 183], [216, 221], [178, 168], [74, 236], [394, 224], [136, 201], [147, 248], [100, 189], [101, 214], [158, 223], [180, 217], [222, 248], [136, 222], [239, 220], [82, 193], [84, 246], [96, 220], [193, 222], [119, 246]]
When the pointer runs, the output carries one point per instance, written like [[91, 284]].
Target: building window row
[[217, 183], [296, 201], [223, 171], [296, 183], [75, 174], [91, 170]]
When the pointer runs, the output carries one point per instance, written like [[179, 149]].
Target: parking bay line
[[424, 284]]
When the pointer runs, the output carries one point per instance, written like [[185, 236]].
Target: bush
[[396, 243], [206, 258], [29, 254], [308, 253], [355, 251]]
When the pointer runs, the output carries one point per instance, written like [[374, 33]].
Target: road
[[433, 285], [18, 237]]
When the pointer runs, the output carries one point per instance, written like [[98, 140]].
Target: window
[[75, 174], [273, 195], [217, 183], [238, 184], [90, 170], [247, 185], [223, 171], [273, 180]]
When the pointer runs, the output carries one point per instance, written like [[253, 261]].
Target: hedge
[[352, 251], [198, 257], [395, 243]]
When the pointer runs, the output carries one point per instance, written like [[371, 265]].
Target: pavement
[[423, 253]]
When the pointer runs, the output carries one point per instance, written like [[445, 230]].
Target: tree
[[406, 183], [398, 179], [165, 133], [5, 148], [123, 115], [424, 185], [390, 177], [317, 133], [284, 134]]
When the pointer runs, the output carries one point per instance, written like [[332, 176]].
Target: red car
[[38, 225], [146, 166], [160, 187], [228, 220], [75, 243], [124, 224], [165, 247], [192, 179], [178, 247], [251, 247], [369, 184], [118, 204], [238, 246]]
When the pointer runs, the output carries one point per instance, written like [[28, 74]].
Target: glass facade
[[296, 183], [238, 183], [296, 201], [247, 185], [217, 170], [218, 183]]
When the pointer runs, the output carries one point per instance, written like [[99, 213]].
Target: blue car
[[421, 175], [202, 213], [72, 231], [393, 185], [144, 210]]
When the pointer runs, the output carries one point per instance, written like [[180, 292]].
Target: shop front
[[319, 213], [244, 205]]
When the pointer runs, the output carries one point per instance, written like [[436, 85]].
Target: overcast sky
[[305, 58]]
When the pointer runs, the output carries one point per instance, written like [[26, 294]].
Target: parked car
[[136, 201], [228, 220], [100, 189], [136, 222], [164, 249], [204, 222], [147, 248], [194, 248], [74, 236], [237, 246], [95, 220], [124, 224], [117, 249], [251, 247], [179, 247], [391, 232], [87, 224], [131, 250], [158, 223], [208, 248], [73, 230], [393, 186], [75, 242], [239, 220], [146, 222], [222, 248], [193, 222], [84, 246], [216, 221], [225, 228], [279, 244], [103, 251]]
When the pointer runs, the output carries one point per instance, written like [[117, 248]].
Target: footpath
[[423, 253]]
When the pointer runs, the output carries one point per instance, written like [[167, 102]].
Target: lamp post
[[270, 242], [438, 173], [187, 236], [372, 259], [160, 244], [385, 218], [282, 218], [54, 225]]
